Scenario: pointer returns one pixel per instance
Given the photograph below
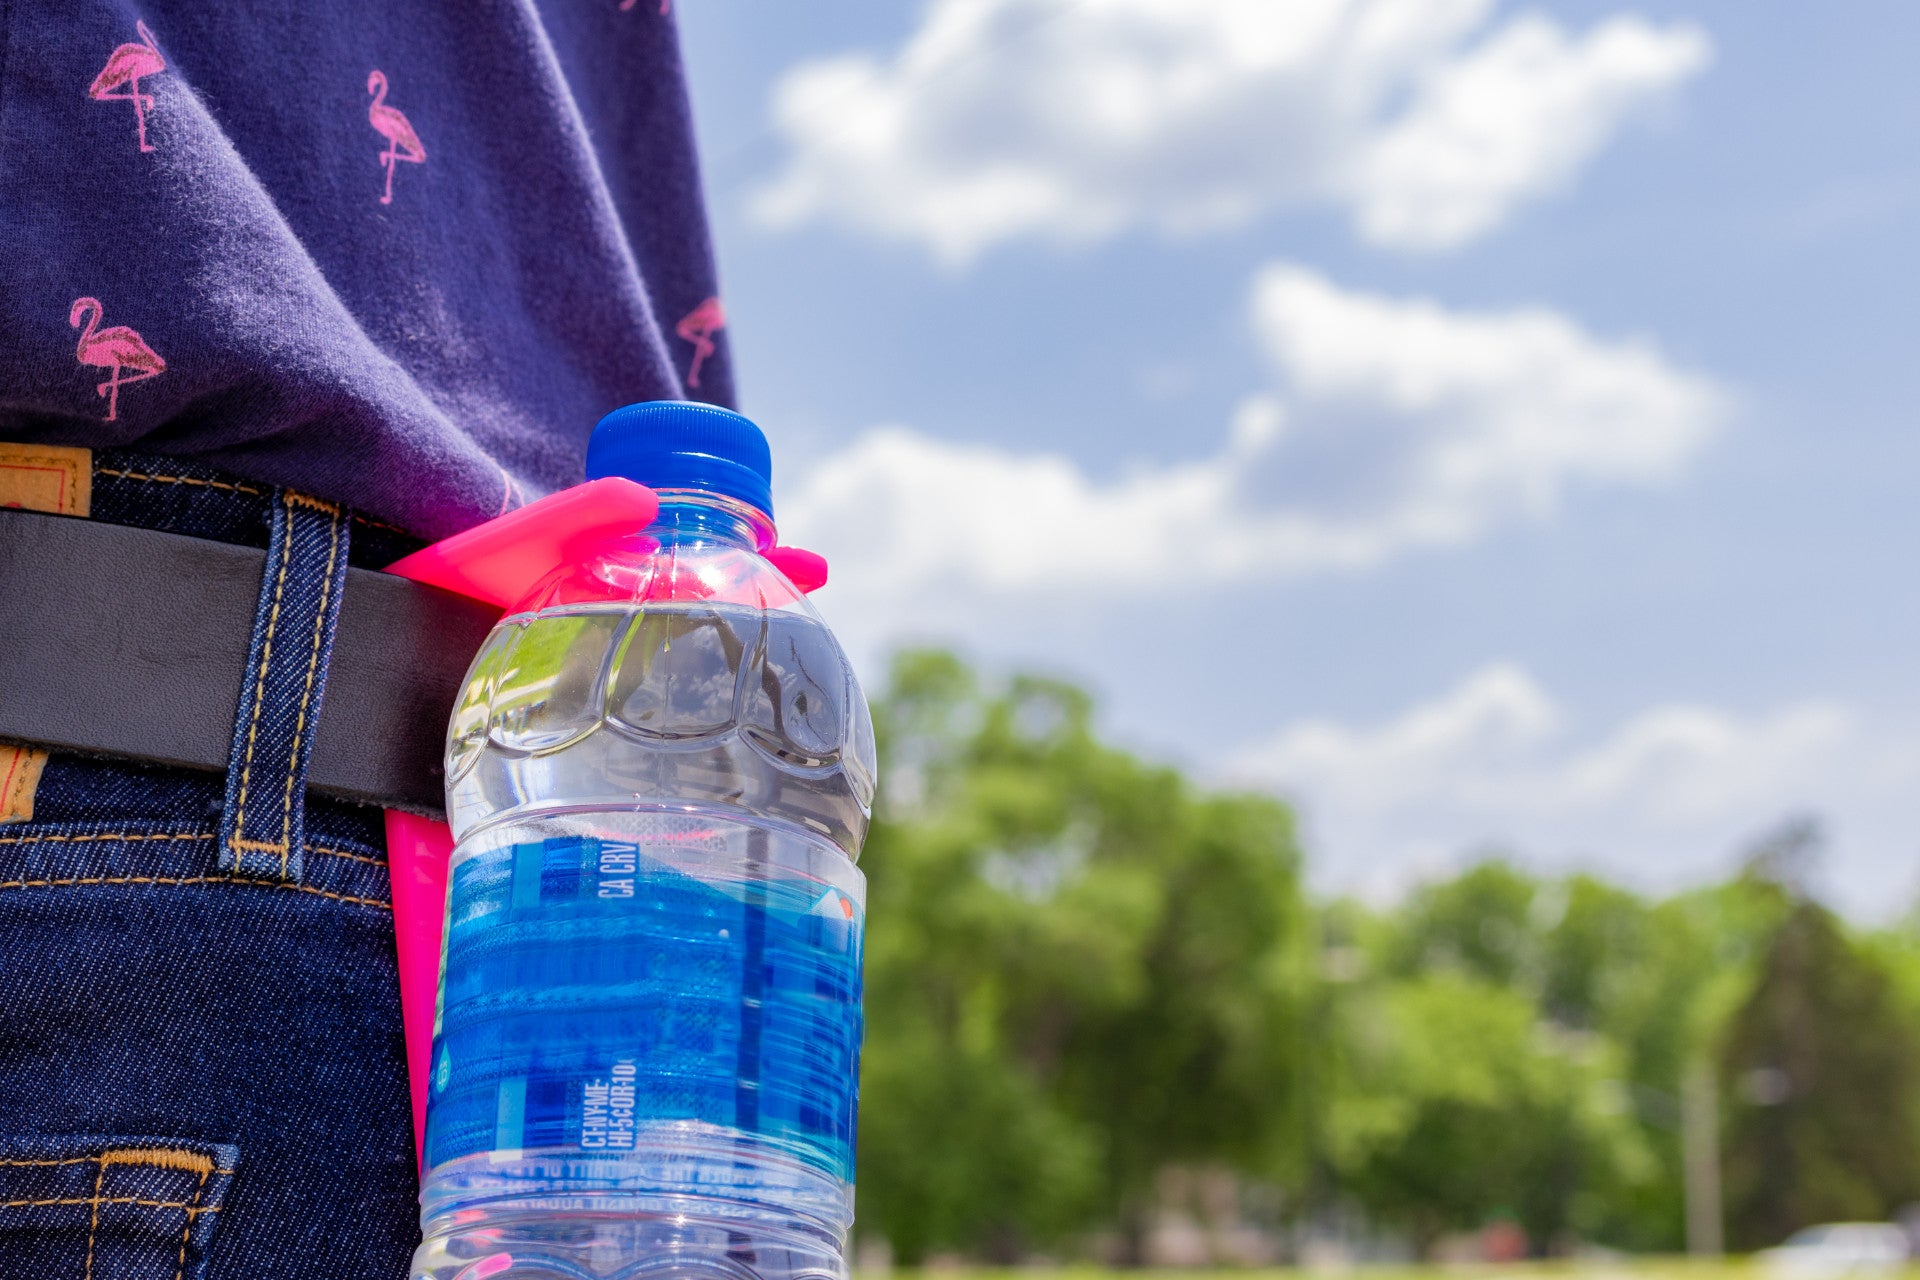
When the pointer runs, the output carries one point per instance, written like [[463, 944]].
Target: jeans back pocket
[[110, 1208]]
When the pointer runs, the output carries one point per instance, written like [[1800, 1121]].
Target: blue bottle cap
[[684, 444]]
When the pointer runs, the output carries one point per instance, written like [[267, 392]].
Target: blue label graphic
[[592, 991]]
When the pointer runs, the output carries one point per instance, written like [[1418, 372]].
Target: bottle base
[[610, 1244]]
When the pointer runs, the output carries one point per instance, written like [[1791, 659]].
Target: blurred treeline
[[1084, 971]]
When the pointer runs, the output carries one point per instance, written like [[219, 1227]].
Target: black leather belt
[[126, 642]]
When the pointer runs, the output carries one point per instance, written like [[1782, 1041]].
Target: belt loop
[[264, 824]]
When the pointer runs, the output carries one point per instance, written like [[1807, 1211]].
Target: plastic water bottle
[[646, 1051]]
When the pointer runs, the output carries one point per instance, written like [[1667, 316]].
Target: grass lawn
[[1618, 1268]]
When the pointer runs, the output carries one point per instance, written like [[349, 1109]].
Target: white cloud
[[1393, 425], [1493, 414], [1665, 796], [1075, 121], [1514, 118]]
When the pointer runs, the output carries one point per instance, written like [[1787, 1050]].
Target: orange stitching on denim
[[335, 509], [188, 1205], [104, 835], [232, 488], [238, 843], [93, 1228], [343, 853], [159, 1158], [186, 1232], [210, 484], [193, 880], [170, 835], [155, 1157], [318, 504], [306, 693], [380, 524]]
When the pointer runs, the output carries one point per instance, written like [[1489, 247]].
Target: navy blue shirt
[[398, 255]]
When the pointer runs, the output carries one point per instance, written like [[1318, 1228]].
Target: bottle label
[[598, 996]]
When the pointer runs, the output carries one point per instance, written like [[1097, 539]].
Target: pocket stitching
[[186, 1232], [249, 881], [152, 1156]]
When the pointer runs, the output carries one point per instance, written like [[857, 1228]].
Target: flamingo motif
[[510, 495], [698, 327], [114, 349], [125, 68], [402, 142]]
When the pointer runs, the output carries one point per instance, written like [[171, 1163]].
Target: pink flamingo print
[[115, 349], [698, 327], [125, 68], [510, 496], [402, 142]]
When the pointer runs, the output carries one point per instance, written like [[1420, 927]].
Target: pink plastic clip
[[804, 569], [500, 562]]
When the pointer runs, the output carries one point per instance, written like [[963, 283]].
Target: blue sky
[[1486, 425]]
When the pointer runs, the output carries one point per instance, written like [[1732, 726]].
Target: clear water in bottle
[[646, 1051]]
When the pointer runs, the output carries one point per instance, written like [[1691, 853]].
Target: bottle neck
[[693, 516]]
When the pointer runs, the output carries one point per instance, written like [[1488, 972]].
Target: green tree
[[1658, 980], [1654, 981], [1079, 967], [1594, 941], [963, 1145], [1822, 1065], [1457, 1103], [1083, 969], [1480, 923]]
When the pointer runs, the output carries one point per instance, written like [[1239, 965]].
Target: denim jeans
[[201, 1065]]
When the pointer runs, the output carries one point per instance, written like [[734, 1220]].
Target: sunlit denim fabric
[[262, 824], [201, 1065], [104, 1206]]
